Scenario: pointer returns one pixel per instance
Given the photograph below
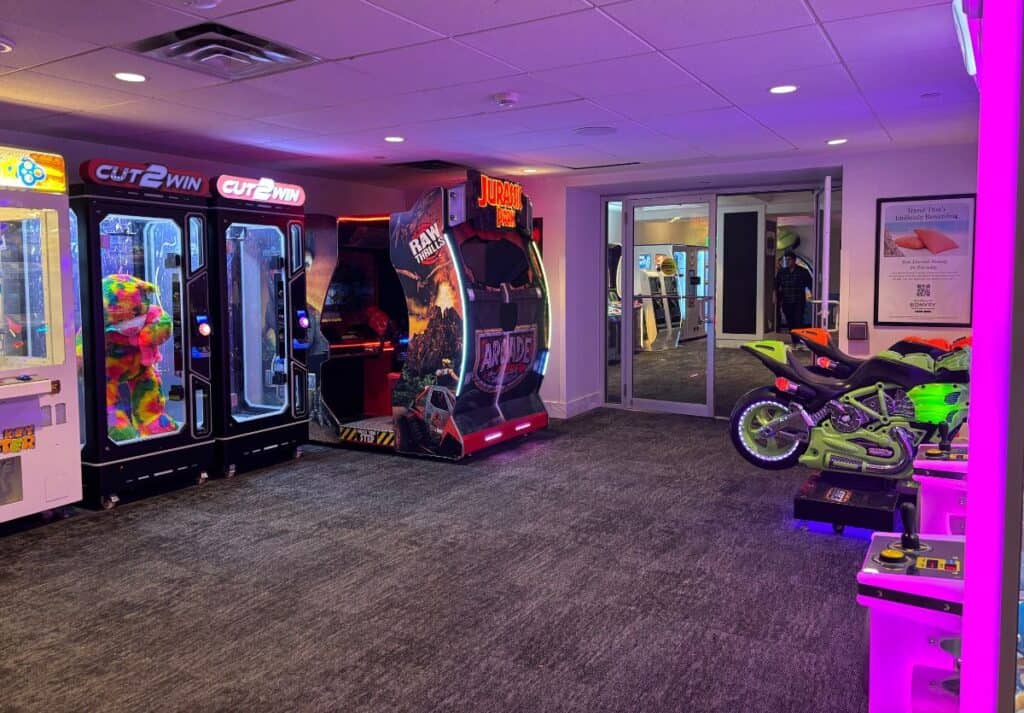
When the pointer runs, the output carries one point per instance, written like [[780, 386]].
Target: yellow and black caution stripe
[[367, 437]]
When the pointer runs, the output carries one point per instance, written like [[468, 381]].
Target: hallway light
[[836, 142], [783, 89]]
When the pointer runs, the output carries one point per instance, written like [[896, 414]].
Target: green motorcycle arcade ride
[[869, 423]]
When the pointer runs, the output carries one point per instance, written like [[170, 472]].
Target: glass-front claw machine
[[146, 328], [39, 449], [261, 404]]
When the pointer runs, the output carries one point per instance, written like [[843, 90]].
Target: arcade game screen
[[350, 297], [140, 263], [27, 239], [258, 369]]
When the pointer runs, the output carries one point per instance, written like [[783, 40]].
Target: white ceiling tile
[[720, 132], [932, 122], [569, 156], [659, 102], [34, 89], [36, 46], [778, 52], [15, 116], [429, 66], [826, 83], [815, 139], [227, 7], [101, 22], [614, 76], [896, 36], [586, 36], [160, 116], [565, 115], [455, 17], [838, 9], [673, 23], [98, 68], [327, 84], [340, 28], [245, 100], [478, 96]]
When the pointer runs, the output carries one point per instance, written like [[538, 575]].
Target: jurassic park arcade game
[[479, 319]]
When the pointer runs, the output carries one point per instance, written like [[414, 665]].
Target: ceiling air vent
[[431, 165], [222, 52]]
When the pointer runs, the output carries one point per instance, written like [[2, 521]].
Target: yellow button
[[891, 555]]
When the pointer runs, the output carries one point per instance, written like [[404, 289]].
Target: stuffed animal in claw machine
[[136, 326]]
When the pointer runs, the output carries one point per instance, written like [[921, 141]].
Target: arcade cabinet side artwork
[[479, 319], [359, 327], [39, 448]]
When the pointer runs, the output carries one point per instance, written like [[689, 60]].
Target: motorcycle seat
[[874, 370]]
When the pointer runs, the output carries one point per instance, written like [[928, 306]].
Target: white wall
[[322, 195], [574, 240], [867, 178]]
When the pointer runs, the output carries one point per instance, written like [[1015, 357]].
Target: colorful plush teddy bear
[[136, 325]]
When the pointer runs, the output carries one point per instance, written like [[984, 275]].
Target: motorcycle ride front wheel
[[755, 410]]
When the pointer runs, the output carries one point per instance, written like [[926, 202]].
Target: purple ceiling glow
[[675, 92], [991, 572]]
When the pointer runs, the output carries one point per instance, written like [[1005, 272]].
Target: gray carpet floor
[[680, 375], [618, 562]]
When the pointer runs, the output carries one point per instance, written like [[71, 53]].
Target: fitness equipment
[[39, 448], [912, 588]]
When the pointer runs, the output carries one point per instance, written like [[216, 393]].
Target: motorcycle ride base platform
[[847, 499]]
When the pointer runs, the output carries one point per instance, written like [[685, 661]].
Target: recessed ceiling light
[[130, 77], [836, 142], [6, 45], [783, 89], [529, 170], [594, 130], [394, 139]]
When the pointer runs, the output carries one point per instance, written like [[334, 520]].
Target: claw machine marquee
[[143, 288], [39, 449], [479, 319], [262, 402]]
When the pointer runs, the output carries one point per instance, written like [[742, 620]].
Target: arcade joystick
[[909, 540]]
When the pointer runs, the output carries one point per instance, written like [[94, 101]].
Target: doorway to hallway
[[689, 278]]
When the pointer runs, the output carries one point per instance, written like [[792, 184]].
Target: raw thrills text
[[427, 245], [505, 196]]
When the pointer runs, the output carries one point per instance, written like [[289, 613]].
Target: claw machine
[[262, 400], [39, 450], [144, 305]]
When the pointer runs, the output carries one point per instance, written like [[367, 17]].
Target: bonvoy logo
[[149, 176], [261, 190]]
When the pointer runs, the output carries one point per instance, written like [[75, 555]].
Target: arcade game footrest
[[844, 499]]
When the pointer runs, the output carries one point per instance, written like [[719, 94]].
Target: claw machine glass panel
[[146, 327], [258, 263], [140, 261], [257, 330], [39, 458]]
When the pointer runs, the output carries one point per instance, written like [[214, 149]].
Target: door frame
[[628, 401]]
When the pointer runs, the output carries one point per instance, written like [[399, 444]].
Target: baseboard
[[582, 404]]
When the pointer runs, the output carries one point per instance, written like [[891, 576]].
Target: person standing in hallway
[[791, 284]]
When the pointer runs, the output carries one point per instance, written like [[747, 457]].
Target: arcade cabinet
[[912, 587], [146, 327], [39, 450], [479, 319], [692, 280], [360, 331], [261, 407]]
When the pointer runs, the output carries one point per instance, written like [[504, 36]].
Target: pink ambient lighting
[[523, 426], [304, 322], [492, 436], [990, 595], [204, 329]]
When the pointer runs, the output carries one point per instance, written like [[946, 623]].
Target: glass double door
[[660, 324]]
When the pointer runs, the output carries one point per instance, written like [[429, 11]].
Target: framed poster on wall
[[924, 261]]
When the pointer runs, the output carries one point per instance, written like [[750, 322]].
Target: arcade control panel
[[907, 569]]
